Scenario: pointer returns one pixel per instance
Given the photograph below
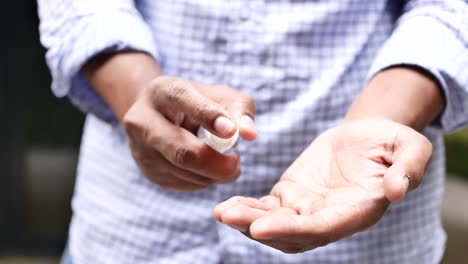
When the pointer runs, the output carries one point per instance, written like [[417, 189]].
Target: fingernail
[[247, 122], [223, 125]]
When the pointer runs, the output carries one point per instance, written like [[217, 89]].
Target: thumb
[[411, 155], [173, 95]]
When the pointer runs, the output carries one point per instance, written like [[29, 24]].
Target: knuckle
[[202, 109], [158, 86], [184, 156], [132, 124], [137, 128], [176, 89], [129, 120], [153, 139]]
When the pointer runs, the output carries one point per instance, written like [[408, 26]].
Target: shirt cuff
[[425, 42], [97, 33]]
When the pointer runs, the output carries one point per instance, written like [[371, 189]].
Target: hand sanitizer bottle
[[222, 145]]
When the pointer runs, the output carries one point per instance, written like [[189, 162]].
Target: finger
[[270, 202], [176, 117], [156, 168], [412, 153], [186, 151], [220, 209], [243, 109], [240, 216], [192, 177], [179, 146], [161, 164], [298, 197], [274, 226], [172, 95], [247, 128], [189, 176], [284, 211], [224, 206], [190, 124], [178, 185], [319, 226], [266, 203]]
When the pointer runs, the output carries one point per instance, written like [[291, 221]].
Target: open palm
[[341, 184]]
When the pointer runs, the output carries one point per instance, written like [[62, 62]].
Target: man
[[341, 89]]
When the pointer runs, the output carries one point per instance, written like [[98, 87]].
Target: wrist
[[400, 94], [121, 78]]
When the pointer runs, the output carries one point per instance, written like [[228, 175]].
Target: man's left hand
[[341, 184]]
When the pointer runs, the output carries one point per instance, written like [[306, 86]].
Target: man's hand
[[341, 184], [161, 127], [161, 114], [344, 181]]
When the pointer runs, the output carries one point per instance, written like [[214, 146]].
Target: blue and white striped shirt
[[303, 62]]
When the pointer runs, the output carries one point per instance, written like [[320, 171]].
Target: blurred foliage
[[457, 153]]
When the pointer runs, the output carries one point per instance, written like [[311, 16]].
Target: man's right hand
[[162, 114], [161, 127]]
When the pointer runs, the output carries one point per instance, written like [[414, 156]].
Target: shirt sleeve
[[433, 35], [73, 31]]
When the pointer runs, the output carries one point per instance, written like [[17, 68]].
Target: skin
[[341, 184], [160, 115], [345, 180]]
